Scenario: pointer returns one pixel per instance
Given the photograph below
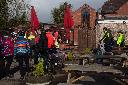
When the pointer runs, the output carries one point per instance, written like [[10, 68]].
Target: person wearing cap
[[120, 39], [107, 39]]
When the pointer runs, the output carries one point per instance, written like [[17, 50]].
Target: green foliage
[[19, 21], [70, 56], [9, 15], [87, 51], [39, 68], [58, 14], [3, 13]]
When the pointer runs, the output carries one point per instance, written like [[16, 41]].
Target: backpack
[[21, 47]]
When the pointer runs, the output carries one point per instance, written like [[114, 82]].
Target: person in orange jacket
[[50, 39]]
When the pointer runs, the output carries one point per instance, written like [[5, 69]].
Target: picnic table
[[120, 50], [82, 60], [88, 68], [111, 59], [103, 59]]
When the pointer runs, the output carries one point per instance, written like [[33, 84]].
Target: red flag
[[68, 21], [34, 20]]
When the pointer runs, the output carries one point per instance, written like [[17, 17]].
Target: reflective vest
[[108, 34], [31, 37], [56, 44], [120, 39]]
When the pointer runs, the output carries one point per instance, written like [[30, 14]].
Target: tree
[[58, 14], [3, 13], [12, 12], [18, 12]]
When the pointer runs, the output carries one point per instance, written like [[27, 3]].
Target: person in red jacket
[[8, 53]]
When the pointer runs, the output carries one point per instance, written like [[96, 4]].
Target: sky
[[43, 7]]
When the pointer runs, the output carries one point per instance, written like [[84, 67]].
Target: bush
[[70, 56], [87, 51], [39, 68]]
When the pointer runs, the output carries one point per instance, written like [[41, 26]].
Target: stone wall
[[114, 27]]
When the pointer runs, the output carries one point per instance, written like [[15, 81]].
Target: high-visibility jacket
[[120, 38], [56, 44], [31, 37], [107, 37], [107, 34]]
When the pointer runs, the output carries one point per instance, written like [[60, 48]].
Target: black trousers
[[36, 56], [122, 44], [2, 66], [37, 53], [9, 60], [23, 58], [107, 45]]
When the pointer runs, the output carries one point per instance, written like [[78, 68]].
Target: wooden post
[[69, 77], [78, 79]]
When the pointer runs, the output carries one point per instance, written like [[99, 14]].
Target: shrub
[[39, 68], [70, 56], [87, 51]]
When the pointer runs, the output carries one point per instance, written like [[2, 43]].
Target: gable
[[112, 6]]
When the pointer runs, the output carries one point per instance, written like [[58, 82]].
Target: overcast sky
[[44, 7]]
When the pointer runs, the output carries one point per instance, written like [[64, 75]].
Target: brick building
[[84, 35], [115, 8], [113, 15]]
